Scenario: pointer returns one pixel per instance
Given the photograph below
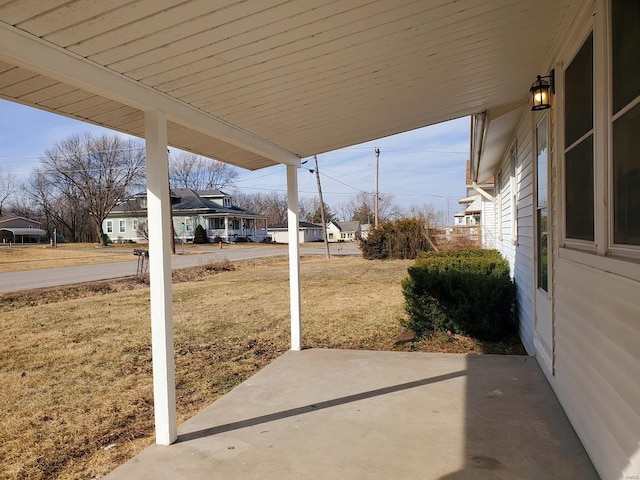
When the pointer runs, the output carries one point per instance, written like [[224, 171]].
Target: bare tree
[[8, 187], [22, 206], [306, 207], [143, 230], [61, 208], [187, 170], [428, 214], [90, 174], [272, 205], [361, 208], [309, 209]]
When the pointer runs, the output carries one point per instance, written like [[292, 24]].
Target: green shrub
[[401, 239], [200, 235], [464, 291]]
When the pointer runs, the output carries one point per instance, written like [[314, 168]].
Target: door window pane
[[543, 249], [542, 163], [542, 192]]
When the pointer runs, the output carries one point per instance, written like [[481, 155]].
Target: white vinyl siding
[[488, 224], [598, 362], [595, 295], [520, 257]]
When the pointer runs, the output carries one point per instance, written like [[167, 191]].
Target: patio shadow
[[186, 437]]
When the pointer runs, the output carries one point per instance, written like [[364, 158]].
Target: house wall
[[594, 289], [314, 235], [306, 235], [597, 372], [518, 248], [333, 234], [130, 233], [488, 223]]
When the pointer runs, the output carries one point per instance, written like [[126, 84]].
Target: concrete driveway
[[329, 414]]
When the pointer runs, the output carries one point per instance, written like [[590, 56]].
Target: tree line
[[81, 178]]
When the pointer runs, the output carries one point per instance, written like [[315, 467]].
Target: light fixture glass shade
[[540, 94]]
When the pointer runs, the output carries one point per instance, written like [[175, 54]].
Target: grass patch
[[75, 369], [33, 257]]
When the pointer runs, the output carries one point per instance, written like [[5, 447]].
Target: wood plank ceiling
[[306, 76]]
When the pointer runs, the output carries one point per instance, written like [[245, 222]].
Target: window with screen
[[625, 43], [578, 148]]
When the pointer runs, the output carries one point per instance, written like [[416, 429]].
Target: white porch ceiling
[[255, 83]]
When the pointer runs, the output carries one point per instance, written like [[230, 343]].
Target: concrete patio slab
[[377, 415]]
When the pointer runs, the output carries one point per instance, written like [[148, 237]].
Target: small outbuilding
[[20, 230], [307, 232]]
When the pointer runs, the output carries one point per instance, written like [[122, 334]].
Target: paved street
[[16, 281]]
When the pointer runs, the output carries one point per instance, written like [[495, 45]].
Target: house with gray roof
[[20, 230], [212, 209], [343, 231]]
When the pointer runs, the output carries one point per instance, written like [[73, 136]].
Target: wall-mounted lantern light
[[541, 91]]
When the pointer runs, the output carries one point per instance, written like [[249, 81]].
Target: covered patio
[[258, 84], [361, 414]]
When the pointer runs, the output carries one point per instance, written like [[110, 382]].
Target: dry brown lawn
[[33, 257], [75, 366]]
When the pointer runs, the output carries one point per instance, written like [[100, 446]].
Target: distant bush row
[[401, 239]]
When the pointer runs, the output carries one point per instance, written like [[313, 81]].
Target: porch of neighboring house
[[363, 414], [231, 229]]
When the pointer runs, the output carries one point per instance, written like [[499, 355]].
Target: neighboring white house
[[479, 208], [567, 218], [212, 209], [472, 211], [307, 232], [343, 231]]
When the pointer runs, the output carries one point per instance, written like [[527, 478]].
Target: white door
[[544, 340]]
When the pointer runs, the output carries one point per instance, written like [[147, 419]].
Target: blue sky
[[420, 167]]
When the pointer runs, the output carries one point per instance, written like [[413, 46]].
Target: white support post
[[159, 218], [294, 256]]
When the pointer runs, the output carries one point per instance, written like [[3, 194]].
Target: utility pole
[[375, 200], [322, 216]]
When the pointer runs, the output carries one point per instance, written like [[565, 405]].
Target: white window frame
[[122, 226], [620, 250], [603, 255], [586, 29], [109, 225]]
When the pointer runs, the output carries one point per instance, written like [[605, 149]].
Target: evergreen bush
[[200, 235], [463, 291]]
